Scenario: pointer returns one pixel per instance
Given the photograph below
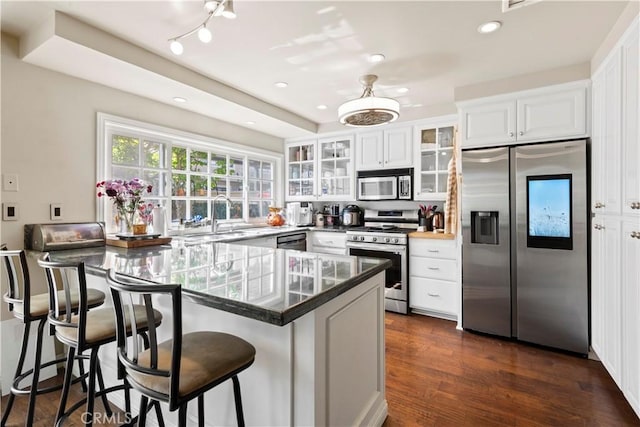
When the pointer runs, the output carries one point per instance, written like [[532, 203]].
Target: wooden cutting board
[[138, 243]]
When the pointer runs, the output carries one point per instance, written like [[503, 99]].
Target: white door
[[598, 183], [611, 282], [631, 312], [369, 151], [398, 145], [630, 125], [552, 116], [488, 124], [597, 288], [611, 142]]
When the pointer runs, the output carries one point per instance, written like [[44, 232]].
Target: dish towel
[[451, 202]]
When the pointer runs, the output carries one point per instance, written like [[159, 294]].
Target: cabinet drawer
[[328, 238], [441, 249], [434, 295], [433, 268]]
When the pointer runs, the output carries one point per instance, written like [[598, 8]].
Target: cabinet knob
[[597, 227], [598, 205], [634, 235], [635, 205], [521, 133], [511, 134], [433, 295]]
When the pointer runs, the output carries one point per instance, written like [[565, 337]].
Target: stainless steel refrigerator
[[524, 252]]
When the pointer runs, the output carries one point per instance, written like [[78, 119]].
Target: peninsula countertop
[[275, 286]]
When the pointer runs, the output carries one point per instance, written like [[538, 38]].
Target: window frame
[[108, 125]]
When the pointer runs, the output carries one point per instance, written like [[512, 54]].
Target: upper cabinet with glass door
[[301, 171], [336, 168], [320, 169], [434, 149]]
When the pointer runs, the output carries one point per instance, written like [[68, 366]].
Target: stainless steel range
[[385, 235]]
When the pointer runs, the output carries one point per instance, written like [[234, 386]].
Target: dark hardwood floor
[[439, 376]]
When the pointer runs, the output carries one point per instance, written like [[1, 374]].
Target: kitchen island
[[316, 320]]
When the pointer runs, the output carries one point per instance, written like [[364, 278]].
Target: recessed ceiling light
[[179, 99], [321, 107], [281, 84], [376, 57], [251, 122], [403, 90], [489, 27]]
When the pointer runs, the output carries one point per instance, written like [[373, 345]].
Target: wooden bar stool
[[179, 369], [32, 308], [86, 331]]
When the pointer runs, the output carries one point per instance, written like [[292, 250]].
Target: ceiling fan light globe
[[204, 35], [176, 47]]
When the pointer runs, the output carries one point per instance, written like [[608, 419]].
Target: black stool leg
[[201, 410], [36, 374], [142, 414], [91, 393], [23, 353], [68, 370], [83, 381], [105, 401], [182, 415], [238, 399]]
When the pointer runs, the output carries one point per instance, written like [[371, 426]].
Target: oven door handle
[[401, 250]]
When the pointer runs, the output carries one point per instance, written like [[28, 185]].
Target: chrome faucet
[[214, 222]]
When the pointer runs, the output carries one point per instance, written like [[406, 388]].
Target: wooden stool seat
[[101, 326], [206, 357], [39, 304]]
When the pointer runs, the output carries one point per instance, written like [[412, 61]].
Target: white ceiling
[[321, 48]]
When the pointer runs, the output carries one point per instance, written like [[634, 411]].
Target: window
[[193, 177]]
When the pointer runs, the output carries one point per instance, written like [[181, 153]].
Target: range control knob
[[395, 240], [374, 239], [386, 239], [362, 238]]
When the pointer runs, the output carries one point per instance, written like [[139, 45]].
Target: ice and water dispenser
[[484, 227]]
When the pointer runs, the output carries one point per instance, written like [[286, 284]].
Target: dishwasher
[[297, 241]]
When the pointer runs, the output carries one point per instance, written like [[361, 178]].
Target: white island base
[[325, 368]]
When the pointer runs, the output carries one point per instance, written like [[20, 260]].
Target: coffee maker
[[305, 216], [299, 213]]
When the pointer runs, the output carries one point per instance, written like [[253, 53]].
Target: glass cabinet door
[[336, 168], [436, 150], [301, 171]]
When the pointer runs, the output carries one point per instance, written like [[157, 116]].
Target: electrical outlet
[[10, 182], [55, 211], [9, 211]]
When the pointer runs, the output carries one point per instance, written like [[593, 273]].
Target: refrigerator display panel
[[549, 215]]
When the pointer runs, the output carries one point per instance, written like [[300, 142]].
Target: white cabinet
[[327, 242], [606, 332], [320, 169], [544, 114], [301, 170], [631, 312], [630, 126], [606, 142], [433, 150], [384, 149], [434, 285]]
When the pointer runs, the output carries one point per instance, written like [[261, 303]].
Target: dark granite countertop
[[271, 285]]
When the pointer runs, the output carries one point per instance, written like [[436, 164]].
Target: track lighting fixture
[[213, 8]]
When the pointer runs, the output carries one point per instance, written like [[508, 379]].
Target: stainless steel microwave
[[390, 184]]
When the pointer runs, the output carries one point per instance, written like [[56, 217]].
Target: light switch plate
[[55, 211], [10, 182], [9, 211]]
